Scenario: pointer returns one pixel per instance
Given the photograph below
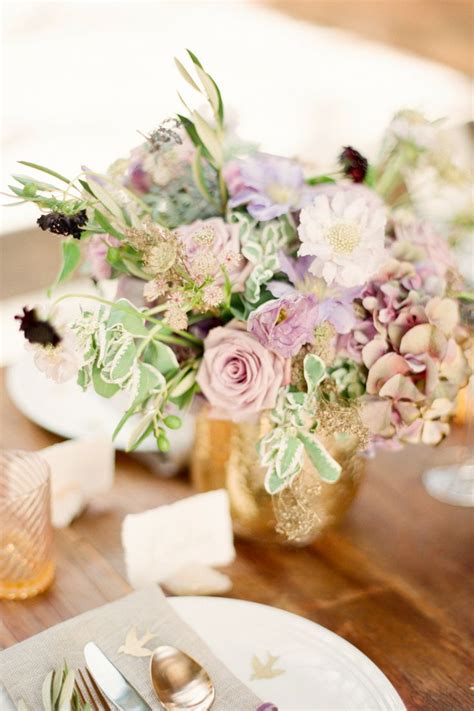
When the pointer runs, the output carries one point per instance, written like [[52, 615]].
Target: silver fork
[[89, 691]]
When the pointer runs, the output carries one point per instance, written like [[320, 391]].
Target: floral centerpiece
[[252, 285]]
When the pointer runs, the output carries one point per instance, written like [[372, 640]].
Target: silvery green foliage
[[123, 354], [260, 246], [294, 424], [349, 378]]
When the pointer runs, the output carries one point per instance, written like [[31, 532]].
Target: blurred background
[[301, 77]]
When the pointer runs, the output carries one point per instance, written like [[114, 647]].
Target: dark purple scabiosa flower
[[61, 224], [354, 165], [37, 330]]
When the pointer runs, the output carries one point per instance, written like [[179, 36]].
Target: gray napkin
[[24, 666]]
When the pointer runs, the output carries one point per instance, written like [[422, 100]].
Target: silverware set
[[179, 682]]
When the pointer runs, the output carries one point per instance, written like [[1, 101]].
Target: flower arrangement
[[249, 285]]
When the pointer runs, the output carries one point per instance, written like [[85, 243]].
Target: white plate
[[71, 413], [321, 670]]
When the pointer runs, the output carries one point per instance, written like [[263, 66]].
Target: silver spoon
[[180, 683]]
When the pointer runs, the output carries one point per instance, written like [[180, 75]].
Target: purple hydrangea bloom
[[268, 185], [284, 325]]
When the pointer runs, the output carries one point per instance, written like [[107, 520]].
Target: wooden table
[[393, 580]]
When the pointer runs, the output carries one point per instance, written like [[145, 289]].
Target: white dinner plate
[[321, 671], [73, 414]]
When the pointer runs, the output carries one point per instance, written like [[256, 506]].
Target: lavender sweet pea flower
[[284, 325], [268, 185]]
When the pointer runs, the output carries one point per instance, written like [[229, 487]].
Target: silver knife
[[6, 703], [112, 682]]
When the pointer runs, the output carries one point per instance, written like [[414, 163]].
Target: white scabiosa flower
[[345, 234], [59, 363]]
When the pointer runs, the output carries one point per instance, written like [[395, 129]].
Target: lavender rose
[[238, 376], [284, 325]]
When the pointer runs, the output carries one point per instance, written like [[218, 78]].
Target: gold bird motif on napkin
[[265, 670], [134, 646]]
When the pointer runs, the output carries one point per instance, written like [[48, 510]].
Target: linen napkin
[[24, 666]]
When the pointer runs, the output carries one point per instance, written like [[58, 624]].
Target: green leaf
[[184, 385], [27, 180], [46, 692], [290, 457], [314, 370], [370, 176], [125, 313], [194, 59], [71, 256], [140, 432], [329, 470], [101, 219], [64, 701], [209, 88], [86, 187], [161, 357], [123, 362], [101, 387], [208, 138], [317, 179], [186, 75], [103, 195], [45, 170], [57, 684], [273, 483], [198, 175]]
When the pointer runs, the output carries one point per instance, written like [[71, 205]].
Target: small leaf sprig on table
[[59, 692]]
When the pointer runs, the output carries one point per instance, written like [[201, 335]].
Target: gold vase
[[225, 456]]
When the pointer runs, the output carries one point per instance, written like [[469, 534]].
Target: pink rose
[[212, 244], [238, 376]]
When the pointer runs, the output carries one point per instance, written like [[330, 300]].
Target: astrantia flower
[[61, 224], [268, 185], [345, 235], [284, 325], [211, 245], [354, 165], [37, 330]]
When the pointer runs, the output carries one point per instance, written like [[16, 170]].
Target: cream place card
[[80, 470], [161, 542]]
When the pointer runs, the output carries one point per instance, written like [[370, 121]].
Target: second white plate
[[318, 670]]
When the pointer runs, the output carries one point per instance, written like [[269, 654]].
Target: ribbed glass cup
[[26, 537]]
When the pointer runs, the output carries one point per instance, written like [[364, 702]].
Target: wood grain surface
[[393, 579]]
